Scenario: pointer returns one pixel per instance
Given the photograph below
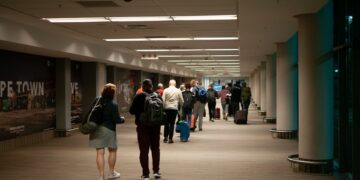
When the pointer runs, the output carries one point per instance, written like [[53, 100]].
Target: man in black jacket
[[235, 97], [148, 136]]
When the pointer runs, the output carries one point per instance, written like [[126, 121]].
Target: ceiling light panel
[[76, 20], [184, 50], [176, 39], [198, 55], [228, 60], [140, 19], [144, 18], [205, 18]]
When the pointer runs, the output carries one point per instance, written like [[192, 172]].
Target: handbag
[[90, 124]]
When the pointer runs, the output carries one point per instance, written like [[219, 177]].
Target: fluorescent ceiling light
[[211, 66], [214, 38], [183, 50], [170, 39], [200, 55], [202, 60], [204, 18], [207, 63], [76, 20], [129, 39], [140, 19], [174, 39]]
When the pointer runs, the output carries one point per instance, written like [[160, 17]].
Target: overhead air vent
[[97, 4], [136, 26]]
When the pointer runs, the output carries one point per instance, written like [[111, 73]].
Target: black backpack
[[188, 99], [153, 114], [211, 95]]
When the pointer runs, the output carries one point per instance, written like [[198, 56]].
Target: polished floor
[[223, 151]]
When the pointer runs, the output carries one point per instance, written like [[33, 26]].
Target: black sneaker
[[157, 175], [145, 177], [165, 140], [171, 141]]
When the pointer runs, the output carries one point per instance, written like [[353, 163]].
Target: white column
[[263, 87], [270, 87], [286, 109], [257, 87], [315, 92]]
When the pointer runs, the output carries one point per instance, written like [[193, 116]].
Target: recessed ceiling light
[[202, 60], [142, 18], [199, 55], [184, 50], [175, 39], [128, 39], [205, 18], [76, 20], [214, 38]]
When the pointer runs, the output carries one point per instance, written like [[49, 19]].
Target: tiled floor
[[222, 151]]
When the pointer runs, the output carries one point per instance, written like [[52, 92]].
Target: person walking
[[189, 101], [225, 100], [160, 89], [172, 98], [245, 96], [199, 106], [235, 97], [105, 135], [212, 95], [148, 136]]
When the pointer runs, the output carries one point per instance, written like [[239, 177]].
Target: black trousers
[[245, 105], [148, 138], [169, 127], [211, 106], [235, 106]]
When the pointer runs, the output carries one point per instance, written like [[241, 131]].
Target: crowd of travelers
[[181, 109]]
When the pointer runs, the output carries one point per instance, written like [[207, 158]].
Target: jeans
[[169, 127], [149, 137]]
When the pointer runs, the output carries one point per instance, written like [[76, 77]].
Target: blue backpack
[[201, 94]]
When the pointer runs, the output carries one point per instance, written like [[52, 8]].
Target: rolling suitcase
[[240, 117], [217, 113], [184, 131]]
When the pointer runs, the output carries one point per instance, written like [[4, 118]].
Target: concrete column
[[93, 78], [263, 88], [257, 89], [63, 95], [286, 107], [270, 87], [315, 92]]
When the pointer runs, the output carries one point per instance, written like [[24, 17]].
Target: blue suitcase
[[184, 131]]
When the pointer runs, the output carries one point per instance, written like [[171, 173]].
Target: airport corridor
[[222, 151]]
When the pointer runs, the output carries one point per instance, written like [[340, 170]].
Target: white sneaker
[[114, 175], [101, 177]]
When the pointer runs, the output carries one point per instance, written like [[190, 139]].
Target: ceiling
[[260, 24]]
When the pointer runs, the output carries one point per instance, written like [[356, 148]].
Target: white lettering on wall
[[32, 87]]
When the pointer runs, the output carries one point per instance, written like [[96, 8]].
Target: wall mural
[[126, 82], [27, 94], [76, 92]]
